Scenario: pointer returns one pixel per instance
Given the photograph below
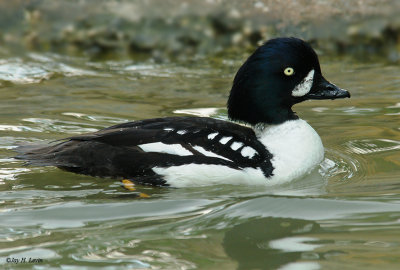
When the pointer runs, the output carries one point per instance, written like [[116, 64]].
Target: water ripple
[[11, 173], [96, 118], [338, 164], [59, 125], [18, 128], [369, 146], [360, 111], [16, 71], [37, 69]]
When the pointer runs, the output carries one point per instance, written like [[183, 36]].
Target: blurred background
[[165, 29], [74, 66]]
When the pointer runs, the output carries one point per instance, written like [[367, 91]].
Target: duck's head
[[279, 74]]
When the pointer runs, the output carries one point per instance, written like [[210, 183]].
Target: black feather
[[115, 152]]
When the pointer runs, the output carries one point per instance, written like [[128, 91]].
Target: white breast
[[296, 149]]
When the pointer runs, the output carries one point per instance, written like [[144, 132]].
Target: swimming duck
[[265, 144]]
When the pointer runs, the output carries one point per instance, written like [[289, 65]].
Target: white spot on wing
[[159, 147], [208, 153], [236, 145], [181, 132], [168, 129], [212, 135], [304, 86], [248, 152], [224, 140]]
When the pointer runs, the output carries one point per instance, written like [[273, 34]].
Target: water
[[344, 215]]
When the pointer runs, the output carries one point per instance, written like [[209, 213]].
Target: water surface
[[344, 215]]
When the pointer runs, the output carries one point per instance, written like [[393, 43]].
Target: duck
[[263, 143]]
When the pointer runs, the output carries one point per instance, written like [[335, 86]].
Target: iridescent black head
[[279, 74]]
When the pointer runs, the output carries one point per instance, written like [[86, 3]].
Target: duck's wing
[[133, 149]]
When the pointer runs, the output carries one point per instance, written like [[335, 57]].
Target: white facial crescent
[[304, 86]]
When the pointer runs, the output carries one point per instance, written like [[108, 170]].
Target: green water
[[344, 215]]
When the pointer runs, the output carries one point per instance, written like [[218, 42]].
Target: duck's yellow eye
[[288, 71]]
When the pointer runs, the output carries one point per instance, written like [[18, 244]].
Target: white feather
[[236, 145], [224, 140], [205, 175], [208, 153], [159, 147], [304, 86], [248, 152], [295, 146], [296, 150], [181, 132], [211, 136]]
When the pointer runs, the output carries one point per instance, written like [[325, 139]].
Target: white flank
[[211, 136], [190, 175], [181, 132], [295, 146], [304, 86], [159, 147], [248, 152], [236, 145], [168, 129], [224, 140], [208, 153]]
